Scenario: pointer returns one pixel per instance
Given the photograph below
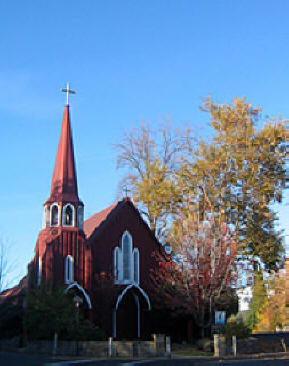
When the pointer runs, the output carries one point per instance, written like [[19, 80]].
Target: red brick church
[[106, 260]]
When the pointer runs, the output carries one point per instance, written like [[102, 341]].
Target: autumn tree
[[196, 283], [152, 160], [259, 301], [233, 178], [272, 313], [238, 175]]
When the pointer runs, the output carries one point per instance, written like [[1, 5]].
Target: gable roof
[[94, 221], [99, 220]]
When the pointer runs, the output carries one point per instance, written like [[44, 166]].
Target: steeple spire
[[63, 208], [64, 181]]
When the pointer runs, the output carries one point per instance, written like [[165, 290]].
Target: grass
[[188, 350]]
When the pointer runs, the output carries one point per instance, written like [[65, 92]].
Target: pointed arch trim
[[81, 289], [120, 297]]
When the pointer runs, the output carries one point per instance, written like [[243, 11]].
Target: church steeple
[[63, 207], [64, 180]]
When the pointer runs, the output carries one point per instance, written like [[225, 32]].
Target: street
[[17, 359]]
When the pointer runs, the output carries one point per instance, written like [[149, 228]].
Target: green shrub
[[53, 311], [88, 332], [237, 328]]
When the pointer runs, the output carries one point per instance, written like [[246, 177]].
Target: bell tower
[[63, 208], [61, 253]]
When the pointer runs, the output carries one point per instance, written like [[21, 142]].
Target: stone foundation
[[98, 349]]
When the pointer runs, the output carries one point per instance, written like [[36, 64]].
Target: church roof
[[94, 221], [14, 291], [102, 218], [64, 180]]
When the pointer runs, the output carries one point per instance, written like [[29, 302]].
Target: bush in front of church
[[50, 311]]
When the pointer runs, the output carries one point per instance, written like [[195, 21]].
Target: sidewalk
[[276, 355]]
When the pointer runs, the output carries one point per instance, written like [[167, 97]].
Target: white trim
[[68, 269], [135, 268], [125, 282], [63, 215], [136, 299], [58, 218], [45, 220], [86, 296], [119, 299], [120, 267], [116, 263]]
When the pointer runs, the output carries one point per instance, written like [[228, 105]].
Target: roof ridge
[[98, 218]]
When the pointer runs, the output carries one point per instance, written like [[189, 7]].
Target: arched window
[[68, 215], [116, 266], [69, 269], [136, 265], [80, 217], [54, 215], [126, 261], [39, 271], [127, 256]]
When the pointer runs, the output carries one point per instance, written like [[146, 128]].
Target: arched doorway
[[128, 313]]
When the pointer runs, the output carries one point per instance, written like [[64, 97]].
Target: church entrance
[[128, 314], [127, 317]]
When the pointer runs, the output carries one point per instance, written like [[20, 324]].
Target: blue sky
[[128, 60]]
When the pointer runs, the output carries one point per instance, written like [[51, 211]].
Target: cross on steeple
[[67, 90]]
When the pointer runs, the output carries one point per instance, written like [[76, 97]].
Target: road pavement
[[23, 359]]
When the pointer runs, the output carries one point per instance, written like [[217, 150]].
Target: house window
[[54, 215], [126, 261], [68, 215], [69, 269], [39, 271]]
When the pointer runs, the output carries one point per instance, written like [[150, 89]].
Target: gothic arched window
[[116, 264], [127, 256], [126, 261], [69, 269], [136, 265], [54, 215], [68, 215]]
